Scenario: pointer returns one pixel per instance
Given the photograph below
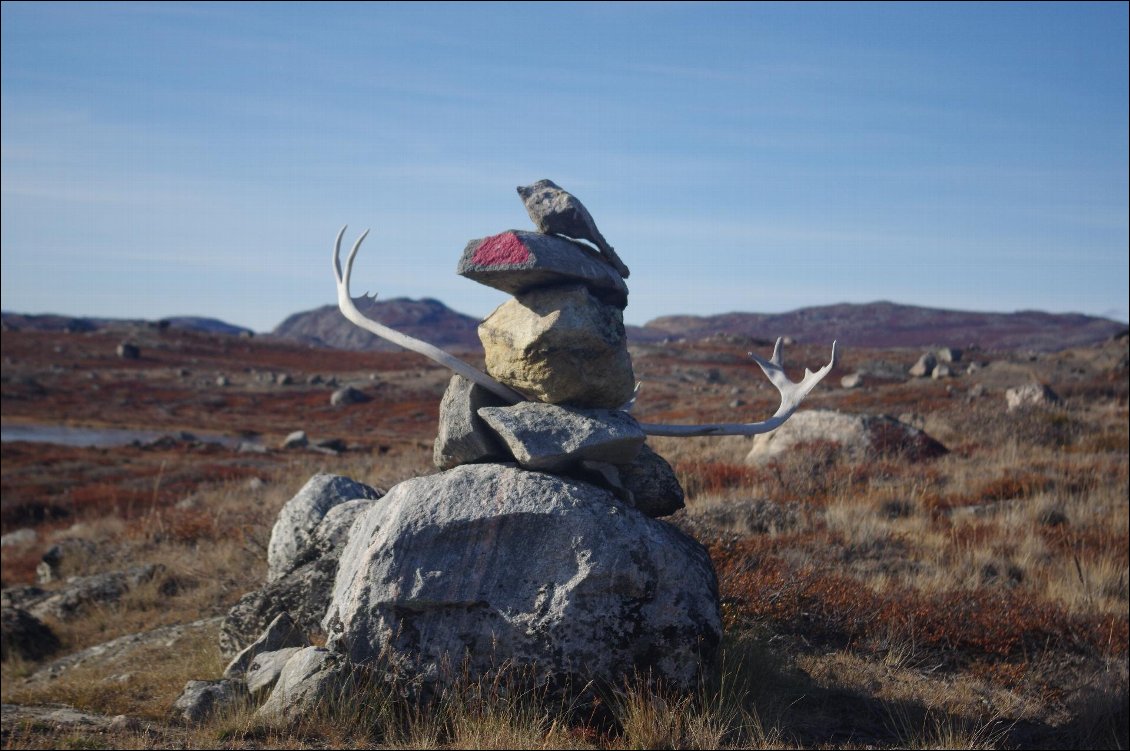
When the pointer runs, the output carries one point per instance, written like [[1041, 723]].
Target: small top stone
[[555, 210]]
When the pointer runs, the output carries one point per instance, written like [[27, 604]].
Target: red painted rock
[[517, 261]]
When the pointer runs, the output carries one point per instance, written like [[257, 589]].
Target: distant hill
[[887, 324], [877, 324], [426, 319], [51, 322]]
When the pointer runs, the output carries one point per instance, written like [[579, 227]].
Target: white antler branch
[[350, 311], [792, 394]]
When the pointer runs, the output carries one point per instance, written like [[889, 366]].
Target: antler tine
[[791, 393], [337, 255], [353, 254], [350, 311]]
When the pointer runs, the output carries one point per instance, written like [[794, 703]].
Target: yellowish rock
[[560, 345]]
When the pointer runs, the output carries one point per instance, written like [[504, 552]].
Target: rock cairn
[[559, 341], [535, 549]]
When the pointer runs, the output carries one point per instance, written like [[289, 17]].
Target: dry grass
[[978, 600]]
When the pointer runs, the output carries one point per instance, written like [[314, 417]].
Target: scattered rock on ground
[[25, 536], [81, 592], [201, 699], [24, 636], [58, 717], [858, 436], [348, 395], [739, 518], [109, 657], [280, 634], [925, 365], [1030, 395], [295, 440], [312, 675], [66, 555]]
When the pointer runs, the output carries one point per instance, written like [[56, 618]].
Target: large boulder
[[486, 564], [303, 592], [562, 346], [857, 436], [302, 514]]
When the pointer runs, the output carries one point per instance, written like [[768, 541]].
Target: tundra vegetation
[[871, 600]]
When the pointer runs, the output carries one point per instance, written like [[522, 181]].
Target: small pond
[[65, 435]]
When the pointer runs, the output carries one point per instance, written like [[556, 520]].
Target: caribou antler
[[791, 393], [350, 311]]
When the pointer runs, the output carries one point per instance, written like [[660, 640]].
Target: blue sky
[[190, 159]]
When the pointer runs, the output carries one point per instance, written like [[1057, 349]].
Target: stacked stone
[[525, 552], [560, 342]]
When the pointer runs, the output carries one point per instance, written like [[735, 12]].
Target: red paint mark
[[500, 250]]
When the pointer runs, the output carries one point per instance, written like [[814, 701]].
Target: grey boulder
[[280, 634], [348, 395], [925, 366], [1030, 395], [856, 436], [488, 564], [551, 438], [265, 669], [202, 699], [303, 513], [311, 676], [80, 593], [303, 592]]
